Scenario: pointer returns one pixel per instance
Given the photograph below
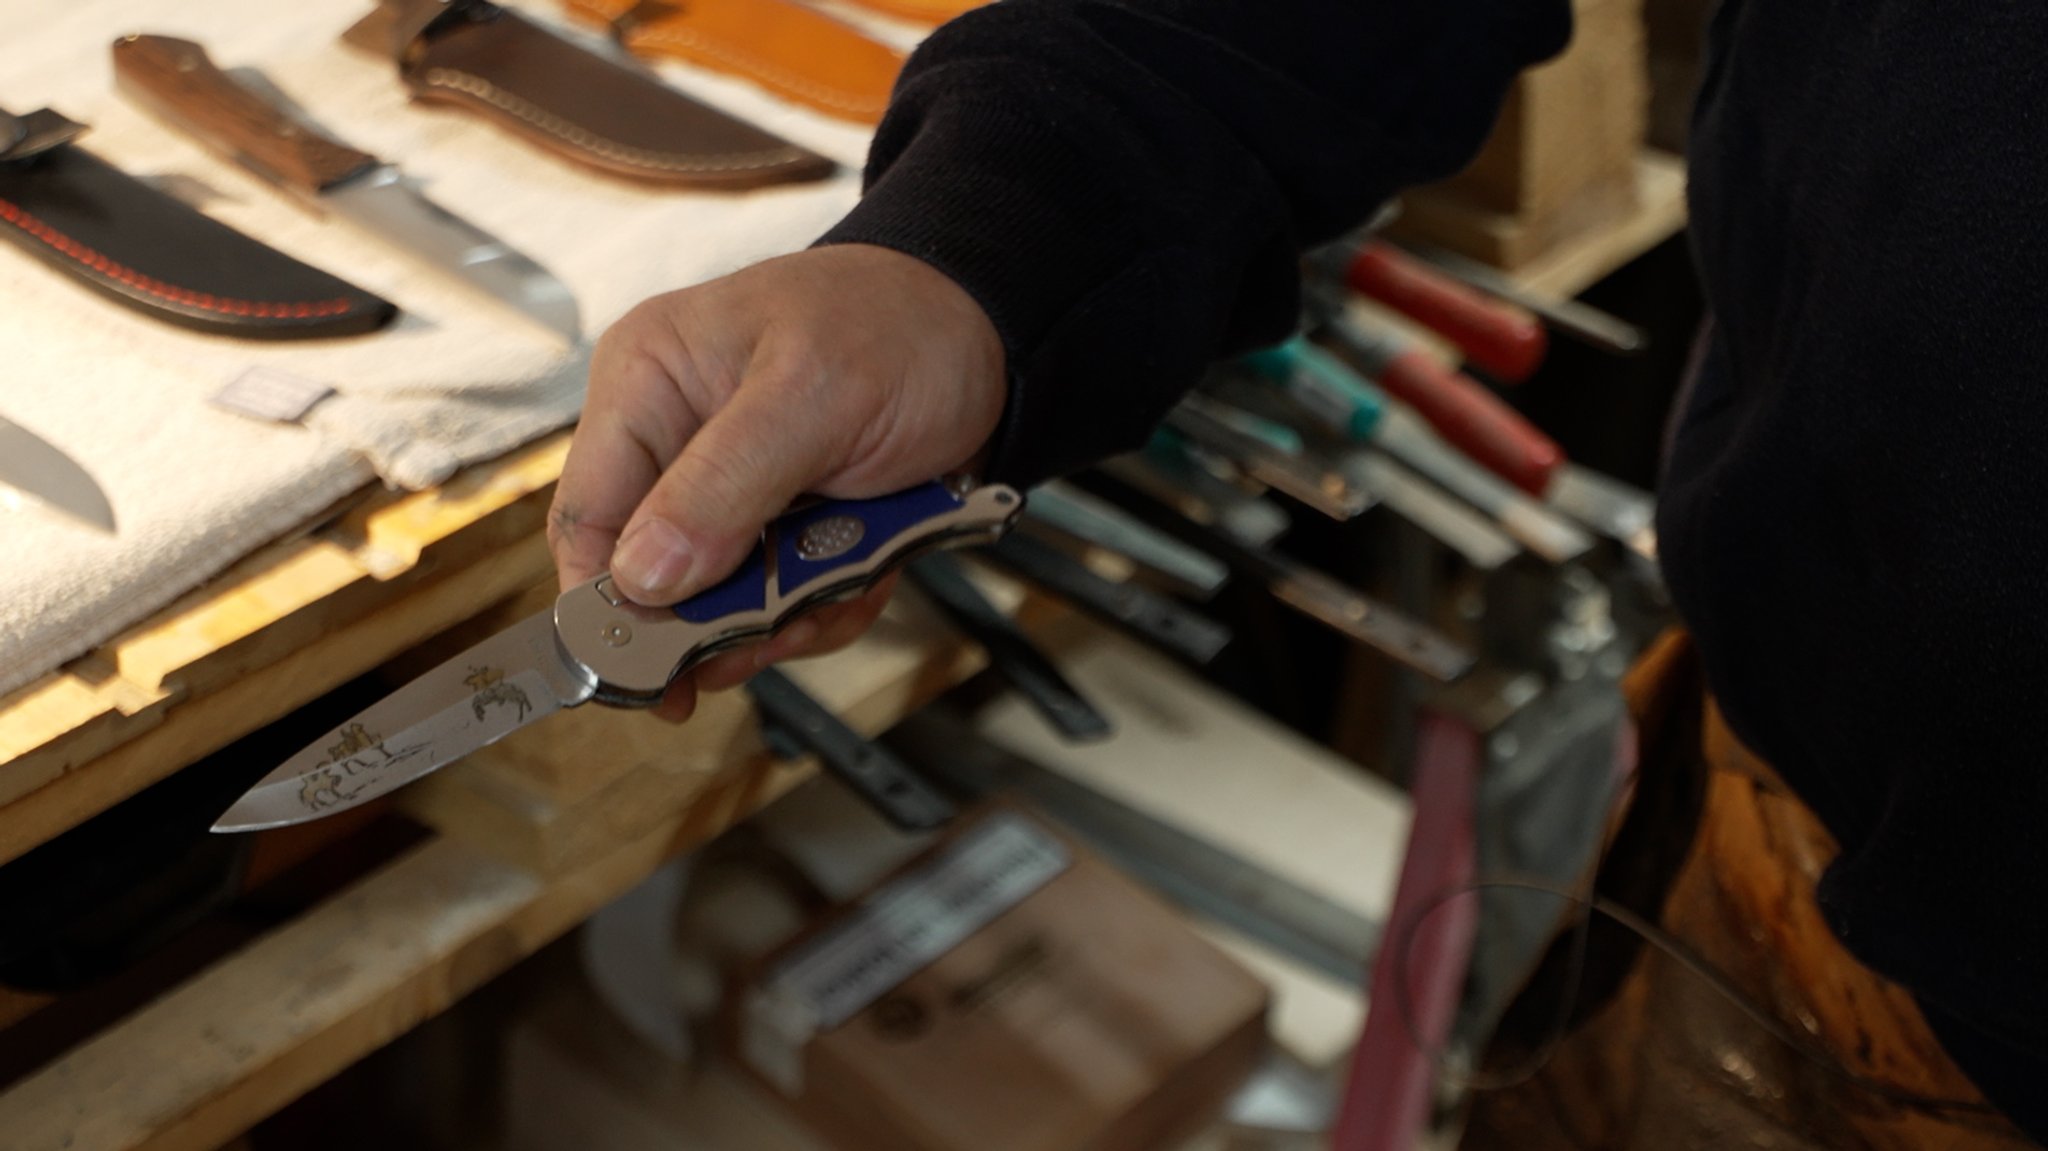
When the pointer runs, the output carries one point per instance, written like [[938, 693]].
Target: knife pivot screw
[[617, 635]]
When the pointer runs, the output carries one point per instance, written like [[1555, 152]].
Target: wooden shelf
[[279, 629], [264, 1025], [1579, 263]]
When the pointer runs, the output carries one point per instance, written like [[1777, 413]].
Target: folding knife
[[594, 644]]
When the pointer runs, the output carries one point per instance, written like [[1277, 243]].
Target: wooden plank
[[280, 629], [255, 1031]]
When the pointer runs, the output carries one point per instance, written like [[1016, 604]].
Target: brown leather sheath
[[792, 50], [575, 103]]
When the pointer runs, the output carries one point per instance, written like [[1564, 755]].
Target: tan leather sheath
[[922, 11], [575, 103], [792, 50]]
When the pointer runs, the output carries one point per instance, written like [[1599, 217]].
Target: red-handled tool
[[1499, 338], [1456, 405]]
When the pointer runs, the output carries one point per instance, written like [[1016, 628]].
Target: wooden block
[[1085, 1017], [1569, 267], [1561, 159]]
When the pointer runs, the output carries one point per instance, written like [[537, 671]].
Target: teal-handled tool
[[1323, 386], [1351, 406]]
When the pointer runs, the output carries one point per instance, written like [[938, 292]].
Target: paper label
[[272, 394], [895, 933]]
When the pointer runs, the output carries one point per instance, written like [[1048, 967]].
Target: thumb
[[706, 511]]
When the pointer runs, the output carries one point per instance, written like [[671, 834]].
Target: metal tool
[[36, 467], [883, 781], [1350, 406], [595, 644], [1461, 409], [1149, 616], [1584, 322], [1331, 602], [1446, 519], [175, 79], [1216, 426], [1070, 512], [1192, 872], [1617, 510], [1499, 338], [1173, 479], [1010, 653]]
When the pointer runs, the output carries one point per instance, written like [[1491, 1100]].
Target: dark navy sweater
[[1854, 519]]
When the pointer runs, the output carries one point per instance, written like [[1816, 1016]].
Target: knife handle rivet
[[617, 635]]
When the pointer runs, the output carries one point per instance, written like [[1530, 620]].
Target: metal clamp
[[23, 137]]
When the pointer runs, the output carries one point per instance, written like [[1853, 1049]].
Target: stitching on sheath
[[761, 66], [122, 273], [590, 141]]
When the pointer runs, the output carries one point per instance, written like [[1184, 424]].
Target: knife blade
[[176, 80], [34, 466], [594, 644]]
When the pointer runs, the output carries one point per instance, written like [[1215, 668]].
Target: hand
[[847, 371]]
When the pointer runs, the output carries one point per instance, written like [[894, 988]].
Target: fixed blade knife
[[595, 644], [176, 80], [34, 466]]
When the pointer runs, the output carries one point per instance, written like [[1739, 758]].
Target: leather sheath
[[922, 11], [792, 50], [573, 102], [127, 240]]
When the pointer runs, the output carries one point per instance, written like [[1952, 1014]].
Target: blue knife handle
[[806, 558]]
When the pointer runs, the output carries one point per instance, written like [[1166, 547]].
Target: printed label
[[919, 917]]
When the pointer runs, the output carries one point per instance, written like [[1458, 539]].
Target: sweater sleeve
[[1125, 185]]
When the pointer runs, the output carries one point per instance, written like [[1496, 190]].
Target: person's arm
[[1125, 185], [1073, 206]]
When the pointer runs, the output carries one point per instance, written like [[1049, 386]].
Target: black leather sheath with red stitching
[[574, 102], [124, 238]]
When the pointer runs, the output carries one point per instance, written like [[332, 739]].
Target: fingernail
[[654, 558]]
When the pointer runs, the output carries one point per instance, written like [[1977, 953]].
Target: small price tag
[[271, 394]]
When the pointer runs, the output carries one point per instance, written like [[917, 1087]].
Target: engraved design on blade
[[830, 538], [474, 699], [493, 691]]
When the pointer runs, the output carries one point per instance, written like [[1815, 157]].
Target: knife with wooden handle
[[176, 80]]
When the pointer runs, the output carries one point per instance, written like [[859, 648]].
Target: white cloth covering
[[454, 381]]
